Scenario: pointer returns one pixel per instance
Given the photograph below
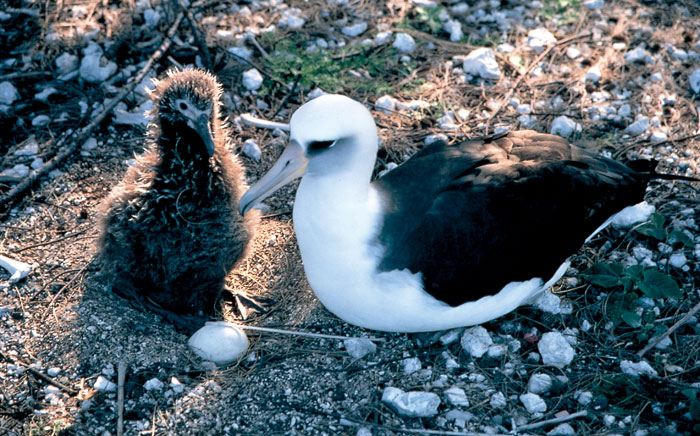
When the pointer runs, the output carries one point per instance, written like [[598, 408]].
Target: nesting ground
[[625, 74]]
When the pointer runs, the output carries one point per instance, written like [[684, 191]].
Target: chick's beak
[[201, 126], [290, 165]]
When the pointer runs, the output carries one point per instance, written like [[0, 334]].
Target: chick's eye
[[320, 145], [183, 105]]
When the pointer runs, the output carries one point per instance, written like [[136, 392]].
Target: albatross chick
[[457, 235], [170, 229]]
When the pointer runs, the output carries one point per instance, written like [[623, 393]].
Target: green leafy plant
[[289, 61], [623, 306], [568, 10], [655, 228], [694, 398], [428, 19]]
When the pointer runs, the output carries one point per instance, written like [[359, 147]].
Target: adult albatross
[[456, 235]]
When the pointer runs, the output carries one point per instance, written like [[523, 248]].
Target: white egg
[[219, 342]]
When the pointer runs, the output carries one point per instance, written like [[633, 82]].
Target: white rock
[[383, 37], [662, 344], [45, 94], [138, 117], [176, 385], [151, 17], [94, 68], [482, 62], [252, 79], [240, 52], [476, 341], [638, 55], [385, 104], [364, 431], [17, 171], [527, 121], [389, 166], [498, 401], [456, 396], [354, 30], [638, 127], [678, 260], [359, 347], [90, 144], [562, 429], [412, 105], [658, 136], [8, 93], [411, 365], [573, 53], [251, 150], [594, 4], [315, 93], [53, 371], [434, 138], [412, 404], [67, 63], [538, 39], [454, 28], [632, 215], [40, 120], [539, 383], [404, 43], [555, 350], [447, 122], [593, 74], [533, 403], [104, 385], [497, 351], [584, 398], [694, 80], [636, 369], [219, 342], [550, 303], [153, 385], [564, 126], [291, 18], [31, 148]]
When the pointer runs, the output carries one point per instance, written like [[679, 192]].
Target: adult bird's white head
[[331, 136]]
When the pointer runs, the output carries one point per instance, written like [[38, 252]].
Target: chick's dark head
[[186, 104]]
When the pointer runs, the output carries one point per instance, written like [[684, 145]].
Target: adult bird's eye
[[183, 105], [320, 145]]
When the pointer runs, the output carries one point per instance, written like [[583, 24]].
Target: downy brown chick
[[171, 231]]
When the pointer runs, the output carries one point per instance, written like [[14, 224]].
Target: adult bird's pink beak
[[290, 165]]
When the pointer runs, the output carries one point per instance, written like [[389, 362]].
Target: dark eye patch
[[183, 106], [320, 145]]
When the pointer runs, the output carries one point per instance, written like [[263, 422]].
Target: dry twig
[[121, 377], [671, 329], [78, 139]]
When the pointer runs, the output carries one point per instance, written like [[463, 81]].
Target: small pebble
[[414, 404], [251, 150], [555, 350], [153, 385], [404, 43], [359, 347], [252, 79], [476, 341], [8, 93], [533, 403]]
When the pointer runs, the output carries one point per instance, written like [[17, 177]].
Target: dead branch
[[671, 329], [78, 138], [201, 43]]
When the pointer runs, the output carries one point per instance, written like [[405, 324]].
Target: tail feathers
[[647, 167]]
